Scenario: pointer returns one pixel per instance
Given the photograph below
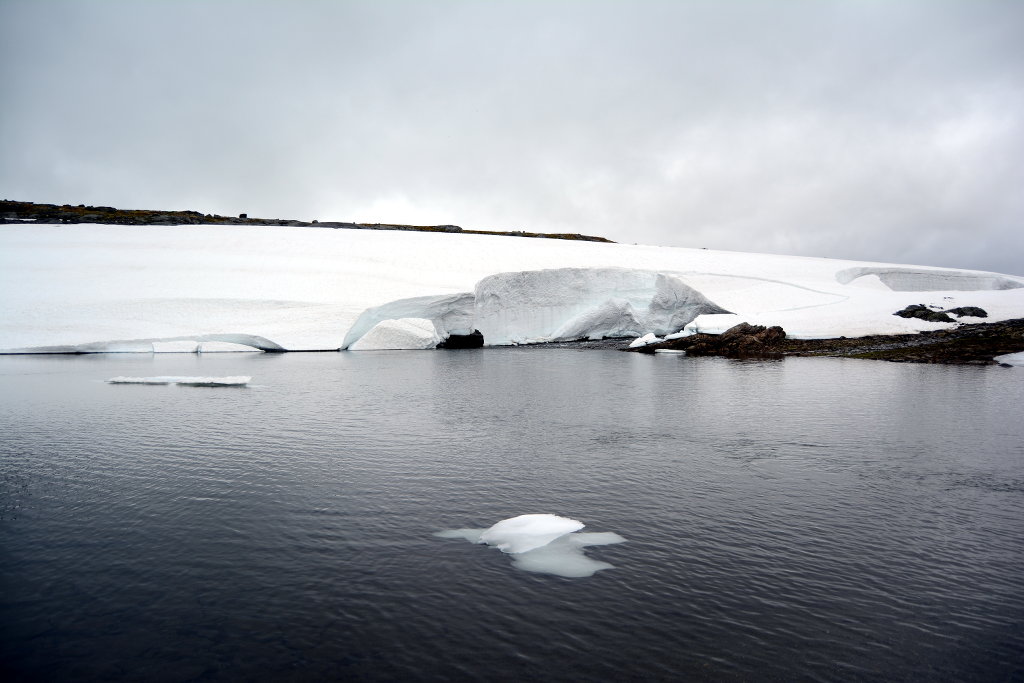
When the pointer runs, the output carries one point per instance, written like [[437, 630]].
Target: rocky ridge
[[975, 344], [23, 212]]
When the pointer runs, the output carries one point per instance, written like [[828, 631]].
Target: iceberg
[[542, 543], [564, 556], [234, 381]]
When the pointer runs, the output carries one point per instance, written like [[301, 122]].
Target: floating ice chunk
[[1011, 358], [526, 532], [403, 333], [564, 556], [545, 544], [235, 381], [649, 338], [679, 352], [141, 380]]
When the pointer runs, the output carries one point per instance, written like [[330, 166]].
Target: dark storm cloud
[[873, 130]]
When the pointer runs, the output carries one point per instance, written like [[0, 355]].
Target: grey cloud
[[882, 131]]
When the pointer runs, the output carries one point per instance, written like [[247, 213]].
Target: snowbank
[[102, 288]]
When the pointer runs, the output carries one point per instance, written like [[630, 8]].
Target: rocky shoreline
[[29, 212], [970, 344]]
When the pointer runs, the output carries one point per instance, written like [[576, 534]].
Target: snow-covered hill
[[129, 288]]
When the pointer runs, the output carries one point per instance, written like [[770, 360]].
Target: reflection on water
[[806, 518]]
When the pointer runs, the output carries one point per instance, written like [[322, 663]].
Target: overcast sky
[[888, 130]]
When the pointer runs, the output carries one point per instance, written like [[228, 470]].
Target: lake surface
[[806, 519]]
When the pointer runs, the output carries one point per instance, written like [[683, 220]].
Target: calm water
[[790, 520]]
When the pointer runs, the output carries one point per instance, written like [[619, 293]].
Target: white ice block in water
[[649, 338], [545, 544], [564, 556], [141, 380], [526, 532], [234, 381]]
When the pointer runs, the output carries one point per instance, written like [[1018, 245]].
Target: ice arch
[[253, 341], [906, 279], [450, 313]]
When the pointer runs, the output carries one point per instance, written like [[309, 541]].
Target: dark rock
[[473, 340], [740, 341], [922, 312], [913, 311]]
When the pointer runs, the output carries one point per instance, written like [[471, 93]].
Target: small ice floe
[[546, 544], [649, 338], [236, 381], [1011, 358], [680, 352]]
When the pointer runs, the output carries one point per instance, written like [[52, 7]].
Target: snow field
[[96, 288]]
